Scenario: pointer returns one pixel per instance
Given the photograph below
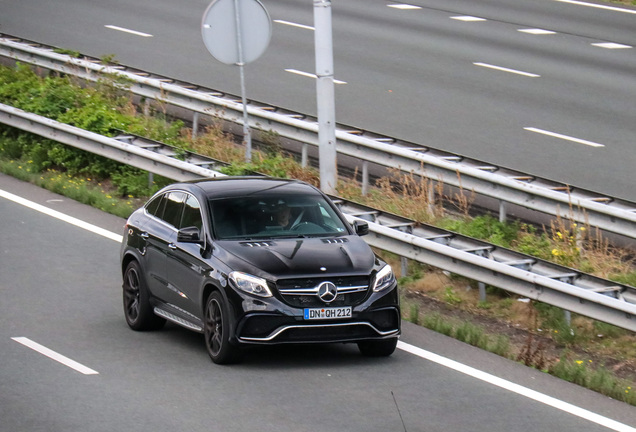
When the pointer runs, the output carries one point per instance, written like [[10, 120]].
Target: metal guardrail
[[162, 163], [505, 185], [533, 278]]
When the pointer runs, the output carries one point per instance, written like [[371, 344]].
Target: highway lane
[[419, 74], [61, 289]]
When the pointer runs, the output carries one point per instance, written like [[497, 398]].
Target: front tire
[[378, 348], [137, 308], [216, 329]]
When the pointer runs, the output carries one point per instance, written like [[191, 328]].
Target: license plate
[[328, 313]]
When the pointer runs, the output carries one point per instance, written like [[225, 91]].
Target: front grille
[[308, 301], [302, 293]]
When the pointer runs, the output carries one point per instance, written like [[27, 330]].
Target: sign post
[[237, 32]]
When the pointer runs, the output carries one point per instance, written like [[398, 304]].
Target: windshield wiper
[[290, 236]]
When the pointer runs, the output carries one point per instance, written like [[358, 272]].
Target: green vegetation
[[107, 108], [598, 378]]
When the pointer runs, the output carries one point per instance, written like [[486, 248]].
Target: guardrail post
[[147, 107], [482, 291], [195, 124], [365, 178], [303, 156], [502, 211], [568, 317], [404, 266]]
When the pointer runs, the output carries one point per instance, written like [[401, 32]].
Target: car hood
[[300, 256]]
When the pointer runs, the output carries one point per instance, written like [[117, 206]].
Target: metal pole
[[502, 211], [365, 178], [247, 139], [195, 124], [325, 96], [304, 158], [567, 315], [482, 291]]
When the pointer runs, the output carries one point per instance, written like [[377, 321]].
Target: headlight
[[250, 284], [383, 279]]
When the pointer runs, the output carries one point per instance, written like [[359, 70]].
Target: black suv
[[255, 260]]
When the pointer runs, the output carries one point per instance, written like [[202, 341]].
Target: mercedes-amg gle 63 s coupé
[[253, 260]]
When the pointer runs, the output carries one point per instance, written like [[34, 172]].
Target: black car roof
[[227, 187]]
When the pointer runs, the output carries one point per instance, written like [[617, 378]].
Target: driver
[[282, 216]]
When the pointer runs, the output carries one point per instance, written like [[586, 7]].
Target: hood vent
[[258, 244], [335, 240]]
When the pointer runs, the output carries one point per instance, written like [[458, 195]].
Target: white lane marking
[[564, 137], [516, 388], [611, 45], [61, 216], [466, 18], [310, 75], [537, 31], [289, 23], [599, 6], [125, 30], [514, 71], [404, 6], [55, 356]]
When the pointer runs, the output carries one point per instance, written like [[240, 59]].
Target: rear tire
[[137, 309], [378, 348], [216, 328]]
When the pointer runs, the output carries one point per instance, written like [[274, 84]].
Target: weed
[[484, 305], [437, 323], [451, 297], [472, 334], [414, 313], [533, 354], [583, 373], [68, 52], [501, 346]]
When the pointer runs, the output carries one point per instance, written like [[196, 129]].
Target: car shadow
[[283, 356]]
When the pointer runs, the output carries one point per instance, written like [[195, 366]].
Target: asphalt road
[[60, 286], [554, 105]]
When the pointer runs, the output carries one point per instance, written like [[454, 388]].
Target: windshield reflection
[[282, 216]]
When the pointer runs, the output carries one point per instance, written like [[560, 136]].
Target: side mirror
[[361, 227], [189, 235]]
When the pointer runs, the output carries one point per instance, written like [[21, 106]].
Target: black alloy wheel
[[378, 348], [217, 331], [137, 308]]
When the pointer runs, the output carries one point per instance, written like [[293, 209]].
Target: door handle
[[144, 235], [172, 245]]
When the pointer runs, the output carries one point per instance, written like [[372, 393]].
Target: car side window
[[173, 208], [155, 206], [191, 214]]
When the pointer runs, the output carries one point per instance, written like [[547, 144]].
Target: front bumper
[[278, 323]]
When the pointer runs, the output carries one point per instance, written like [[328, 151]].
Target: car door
[[186, 266], [159, 233]]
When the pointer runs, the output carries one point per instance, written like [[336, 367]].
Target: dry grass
[[215, 143], [400, 193]]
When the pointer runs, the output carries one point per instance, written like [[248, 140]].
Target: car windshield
[[275, 217]]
